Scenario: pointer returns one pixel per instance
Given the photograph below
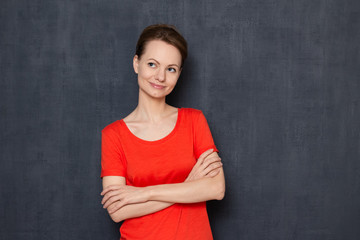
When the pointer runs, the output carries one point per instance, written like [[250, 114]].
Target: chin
[[158, 94], [154, 95]]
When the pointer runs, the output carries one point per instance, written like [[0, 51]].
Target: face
[[158, 68]]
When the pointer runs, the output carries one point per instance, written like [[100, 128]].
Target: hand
[[206, 166], [117, 196]]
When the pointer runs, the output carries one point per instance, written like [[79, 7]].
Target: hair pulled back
[[163, 32]]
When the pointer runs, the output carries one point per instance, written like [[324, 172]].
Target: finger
[[115, 206], [208, 165], [111, 201], [212, 167], [110, 188], [109, 195], [200, 170], [204, 155], [214, 173], [112, 193], [106, 190], [209, 161]]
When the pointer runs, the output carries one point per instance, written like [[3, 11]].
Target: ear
[[136, 64]]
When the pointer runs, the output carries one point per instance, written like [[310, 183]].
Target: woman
[[160, 164]]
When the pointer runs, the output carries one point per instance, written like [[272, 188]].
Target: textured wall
[[278, 81]]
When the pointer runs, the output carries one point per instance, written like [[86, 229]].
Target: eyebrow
[[173, 64]]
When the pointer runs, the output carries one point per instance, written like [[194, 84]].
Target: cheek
[[145, 73], [173, 80]]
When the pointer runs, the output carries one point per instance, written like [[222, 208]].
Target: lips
[[157, 86]]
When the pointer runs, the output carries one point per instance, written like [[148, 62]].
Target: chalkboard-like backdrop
[[278, 81]]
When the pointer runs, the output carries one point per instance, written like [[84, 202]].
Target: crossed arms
[[205, 182]]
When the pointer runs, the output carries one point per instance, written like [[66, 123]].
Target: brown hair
[[163, 32]]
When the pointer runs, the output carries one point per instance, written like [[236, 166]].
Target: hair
[[163, 32]]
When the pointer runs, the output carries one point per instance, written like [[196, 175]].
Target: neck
[[151, 109]]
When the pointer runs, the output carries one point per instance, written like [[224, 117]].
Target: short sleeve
[[203, 139], [113, 161]]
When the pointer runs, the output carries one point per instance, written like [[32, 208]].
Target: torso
[[167, 160]]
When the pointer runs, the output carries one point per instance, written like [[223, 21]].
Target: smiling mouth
[[157, 86]]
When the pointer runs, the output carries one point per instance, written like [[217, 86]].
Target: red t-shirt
[[164, 161]]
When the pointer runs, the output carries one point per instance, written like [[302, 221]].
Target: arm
[[130, 210], [199, 190], [208, 187]]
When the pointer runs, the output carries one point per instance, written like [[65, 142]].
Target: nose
[[160, 75]]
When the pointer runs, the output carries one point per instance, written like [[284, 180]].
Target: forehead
[[162, 52]]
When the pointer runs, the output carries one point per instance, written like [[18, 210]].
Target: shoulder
[[194, 113], [112, 128]]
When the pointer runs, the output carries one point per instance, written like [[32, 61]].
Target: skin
[[158, 71]]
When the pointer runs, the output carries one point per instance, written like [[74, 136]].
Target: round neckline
[[179, 110]]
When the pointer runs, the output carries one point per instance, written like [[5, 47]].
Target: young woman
[[160, 164]]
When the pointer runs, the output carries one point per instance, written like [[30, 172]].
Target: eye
[[151, 64], [172, 70]]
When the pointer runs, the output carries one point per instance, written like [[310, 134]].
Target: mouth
[[157, 86]]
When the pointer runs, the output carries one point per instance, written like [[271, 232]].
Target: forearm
[[189, 192], [138, 210], [123, 202]]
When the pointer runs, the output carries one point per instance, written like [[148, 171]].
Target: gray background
[[277, 80]]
